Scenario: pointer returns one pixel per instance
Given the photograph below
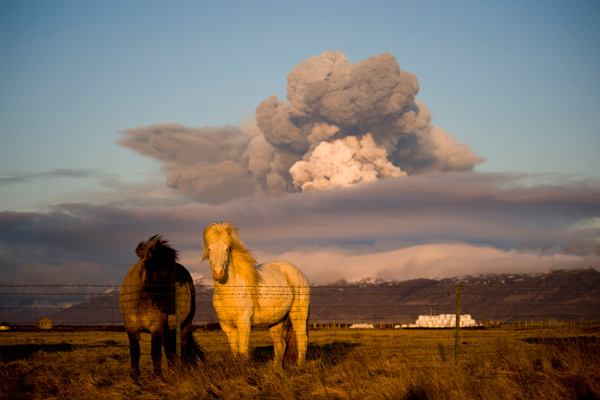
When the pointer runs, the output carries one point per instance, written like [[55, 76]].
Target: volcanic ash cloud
[[342, 124], [343, 162]]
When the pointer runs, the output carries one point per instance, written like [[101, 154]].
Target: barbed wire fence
[[430, 321]]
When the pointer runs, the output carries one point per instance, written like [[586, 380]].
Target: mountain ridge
[[560, 295]]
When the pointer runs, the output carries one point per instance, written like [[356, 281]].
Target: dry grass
[[540, 363]]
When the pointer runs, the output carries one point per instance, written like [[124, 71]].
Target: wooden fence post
[[177, 320], [457, 328]]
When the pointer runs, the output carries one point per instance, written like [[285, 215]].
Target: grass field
[[537, 362]]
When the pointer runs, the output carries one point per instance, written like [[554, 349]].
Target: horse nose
[[218, 275]]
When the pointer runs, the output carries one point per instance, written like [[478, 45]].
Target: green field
[[533, 362]]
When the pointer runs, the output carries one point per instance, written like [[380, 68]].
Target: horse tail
[[290, 357], [192, 351]]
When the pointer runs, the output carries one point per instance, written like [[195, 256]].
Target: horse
[[275, 295], [147, 303]]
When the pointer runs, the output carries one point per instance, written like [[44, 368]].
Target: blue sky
[[516, 81]]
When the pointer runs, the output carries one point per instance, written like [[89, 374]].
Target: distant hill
[[563, 295]]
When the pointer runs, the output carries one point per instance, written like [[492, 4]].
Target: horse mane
[[159, 260], [242, 260], [157, 249]]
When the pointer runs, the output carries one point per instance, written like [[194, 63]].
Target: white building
[[362, 326], [442, 321]]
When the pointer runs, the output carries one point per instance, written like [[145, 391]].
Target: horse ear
[[139, 250], [228, 229], [204, 251]]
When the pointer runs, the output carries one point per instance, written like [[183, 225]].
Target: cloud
[[24, 177], [432, 261], [203, 163], [342, 124], [438, 224]]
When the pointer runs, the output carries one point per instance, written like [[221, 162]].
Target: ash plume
[[341, 124]]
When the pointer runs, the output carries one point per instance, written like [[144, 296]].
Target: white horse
[[274, 294]]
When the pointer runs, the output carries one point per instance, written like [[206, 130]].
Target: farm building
[[442, 321]]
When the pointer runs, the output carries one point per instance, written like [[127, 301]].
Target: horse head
[[216, 248], [159, 260]]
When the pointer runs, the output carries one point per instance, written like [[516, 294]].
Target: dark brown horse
[[147, 303]]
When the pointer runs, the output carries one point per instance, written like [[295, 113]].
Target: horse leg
[[277, 334], [243, 333], [134, 353], [156, 343], [232, 337], [299, 320]]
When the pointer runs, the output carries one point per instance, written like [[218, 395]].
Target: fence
[[383, 315]]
